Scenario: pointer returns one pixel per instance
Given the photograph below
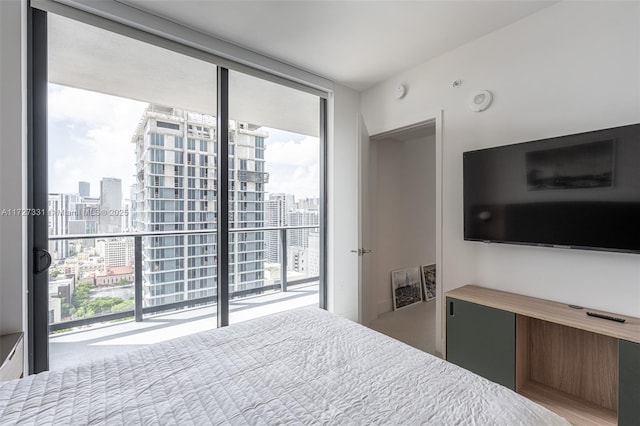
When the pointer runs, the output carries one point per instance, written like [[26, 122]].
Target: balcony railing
[[139, 310]]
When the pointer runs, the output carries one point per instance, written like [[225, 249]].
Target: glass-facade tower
[[176, 191]]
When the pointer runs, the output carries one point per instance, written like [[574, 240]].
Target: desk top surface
[[7, 343], [547, 310]]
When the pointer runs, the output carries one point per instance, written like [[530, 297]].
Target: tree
[[65, 309], [82, 294], [125, 305], [105, 305]]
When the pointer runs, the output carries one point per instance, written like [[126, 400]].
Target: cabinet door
[[482, 340], [628, 383]]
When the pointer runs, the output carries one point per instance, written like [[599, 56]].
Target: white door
[[365, 256]]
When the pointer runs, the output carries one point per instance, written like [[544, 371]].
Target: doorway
[[403, 207]]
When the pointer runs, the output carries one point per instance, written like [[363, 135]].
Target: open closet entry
[[402, 209]]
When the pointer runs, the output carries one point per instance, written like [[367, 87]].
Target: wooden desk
[[584, 368], [11, 356]]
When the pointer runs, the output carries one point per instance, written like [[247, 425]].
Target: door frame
[[38, 225], [428, 118]]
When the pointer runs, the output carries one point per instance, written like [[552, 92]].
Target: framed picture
[[406, 287], [429, 281]]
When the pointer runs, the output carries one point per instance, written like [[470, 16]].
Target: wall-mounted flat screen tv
[[576, 191]]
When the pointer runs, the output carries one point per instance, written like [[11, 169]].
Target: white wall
[[404, 210], [12, 154], [572, 67], [342, 202]]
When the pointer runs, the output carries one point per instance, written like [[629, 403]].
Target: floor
[[414, 325], [100, 340]]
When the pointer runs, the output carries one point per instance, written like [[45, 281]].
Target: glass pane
[[131, 134], [274, 182]]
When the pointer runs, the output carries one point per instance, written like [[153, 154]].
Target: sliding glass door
[[128, 155], [274, 181], [131, 147]]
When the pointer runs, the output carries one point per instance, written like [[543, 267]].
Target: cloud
[[293, 165], [304, 152], [90, 138]]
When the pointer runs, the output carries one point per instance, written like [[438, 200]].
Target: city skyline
[[157, 163], [90, 139]]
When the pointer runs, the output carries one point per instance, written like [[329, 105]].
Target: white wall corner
[[12, 158], [342, 265]]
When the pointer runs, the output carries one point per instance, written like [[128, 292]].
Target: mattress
[[305, 366]]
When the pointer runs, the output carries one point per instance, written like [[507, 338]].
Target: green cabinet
[[628, 383], [566, 360], [483, 340]]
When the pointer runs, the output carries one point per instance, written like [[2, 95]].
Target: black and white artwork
[[406, 286], [429, 281]]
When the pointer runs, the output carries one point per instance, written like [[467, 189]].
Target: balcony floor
[[93, 342]]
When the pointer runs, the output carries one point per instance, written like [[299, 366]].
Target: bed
[[305, 366]]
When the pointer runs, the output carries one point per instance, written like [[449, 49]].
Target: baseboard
[[384, 306]]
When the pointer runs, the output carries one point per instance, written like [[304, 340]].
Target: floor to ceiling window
[[133, 196], [131, 146], [274, 181]]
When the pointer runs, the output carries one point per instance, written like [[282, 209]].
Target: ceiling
[[109, 63], [354, 43]]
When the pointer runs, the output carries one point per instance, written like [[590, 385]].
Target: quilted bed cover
[[305, 366]]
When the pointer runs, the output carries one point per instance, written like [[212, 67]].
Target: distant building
[[86, 220], [62, 287], [114, 276], [308, 204], [176, 190], [298, 259], [300, 238], [116, 251], [313, 269], [62, 209], [127, 224], [276, 209], [133, 215], [110, 202], [84, 189]]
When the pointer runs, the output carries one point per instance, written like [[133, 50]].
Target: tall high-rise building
[[110, 203], [276, 209], [300, 238], [62, 210], [84, 189], [87, 216], [132, 219], [176, 190]]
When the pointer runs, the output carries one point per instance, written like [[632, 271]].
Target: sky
[[90, 138]]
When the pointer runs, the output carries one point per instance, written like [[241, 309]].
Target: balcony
[[84, 335], [257, 177]]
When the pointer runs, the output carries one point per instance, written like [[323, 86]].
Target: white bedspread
[[299, 367]]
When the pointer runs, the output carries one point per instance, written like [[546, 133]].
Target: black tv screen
[[576, 191]]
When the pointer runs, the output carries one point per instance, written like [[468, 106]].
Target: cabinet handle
[[451, 309]]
